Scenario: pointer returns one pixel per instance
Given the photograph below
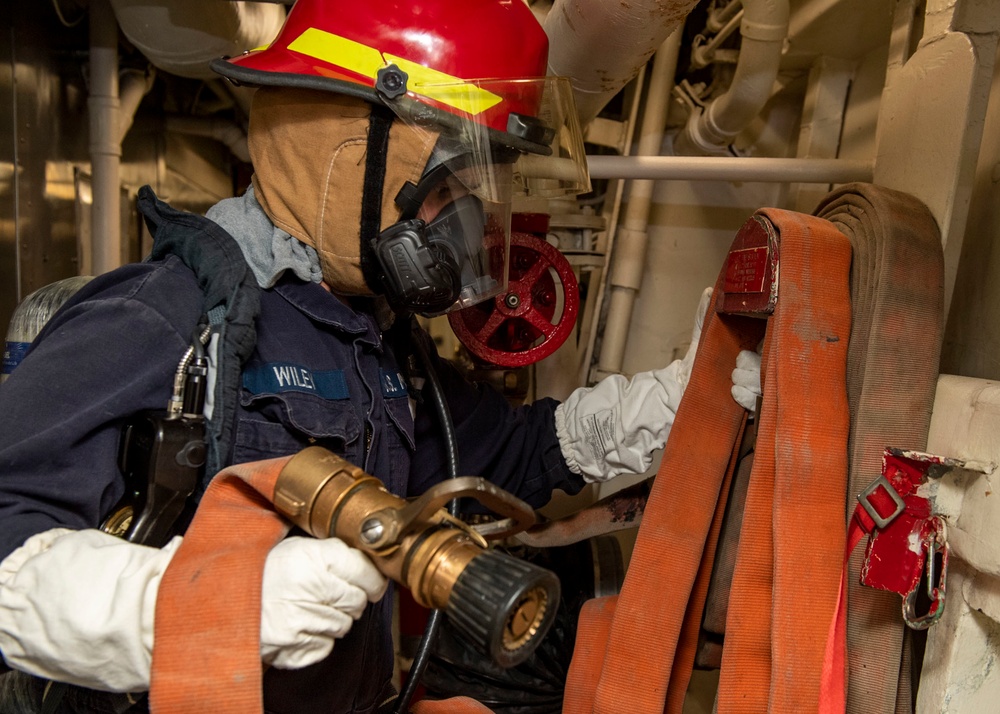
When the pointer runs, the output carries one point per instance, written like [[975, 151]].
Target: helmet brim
[[244, 75]]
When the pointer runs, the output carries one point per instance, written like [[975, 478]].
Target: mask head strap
[[379, 124]]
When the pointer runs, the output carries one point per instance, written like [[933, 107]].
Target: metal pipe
[[764, 27], [229, 133], [704, 55], [629, 256], [602, 45], [719, 17], [105, 148], [133, 85], [721, 168], [15, 145]]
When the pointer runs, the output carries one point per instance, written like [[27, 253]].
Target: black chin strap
[[379, 123]]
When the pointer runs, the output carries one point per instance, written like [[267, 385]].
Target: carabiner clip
[[933, 542]]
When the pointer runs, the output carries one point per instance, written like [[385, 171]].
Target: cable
[[430, 635], [62, 18]]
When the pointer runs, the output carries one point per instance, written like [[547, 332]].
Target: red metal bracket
[[751, 280], [907, 541]]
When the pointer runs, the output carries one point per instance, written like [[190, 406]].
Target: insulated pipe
[[133, 85], [602, 45], [182, 36], [722, 168], [764, 27], [105, 148], [219, 129], [630, 246]]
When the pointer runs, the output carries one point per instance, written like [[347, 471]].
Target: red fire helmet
[[473, 70], [442, 47]]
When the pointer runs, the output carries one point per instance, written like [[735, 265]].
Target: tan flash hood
[[308, 152]]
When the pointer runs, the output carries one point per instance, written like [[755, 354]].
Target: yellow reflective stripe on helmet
[[367, 61], [445, 88], [337, 50]]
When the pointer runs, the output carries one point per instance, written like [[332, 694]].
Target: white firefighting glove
[[313, 592], [78, 606], [614, 427], [746, 379]]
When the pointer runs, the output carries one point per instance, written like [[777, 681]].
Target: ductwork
[[602, 45], [711, 130], [181, 36]]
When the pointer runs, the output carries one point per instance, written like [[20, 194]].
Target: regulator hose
[[422, 656]]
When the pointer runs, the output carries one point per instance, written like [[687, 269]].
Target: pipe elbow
[[710, 131]]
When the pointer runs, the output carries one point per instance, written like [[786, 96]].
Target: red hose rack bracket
[[751, 280], [533, 317], [907, 540]]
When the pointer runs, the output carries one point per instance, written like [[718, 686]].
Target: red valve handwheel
[[533, 317]]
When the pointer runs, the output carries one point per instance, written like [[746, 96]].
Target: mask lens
[[476, 233]]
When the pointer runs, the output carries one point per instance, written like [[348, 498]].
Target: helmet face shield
[[563, 172], [535, 153], [492, 123]]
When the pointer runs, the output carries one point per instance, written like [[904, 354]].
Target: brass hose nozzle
[[502, 604]]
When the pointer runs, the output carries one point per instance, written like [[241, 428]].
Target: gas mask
[[448, 250]]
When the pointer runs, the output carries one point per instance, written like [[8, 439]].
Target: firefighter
[[384, 138]]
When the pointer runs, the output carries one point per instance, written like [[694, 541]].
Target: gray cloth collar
[[268, 250]]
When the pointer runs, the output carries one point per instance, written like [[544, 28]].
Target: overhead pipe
[[105, 147], [729, 168], [228, 132], [133, 85], [182, 36], [631, 241], [711, 130], [603, 45], [720, 17]]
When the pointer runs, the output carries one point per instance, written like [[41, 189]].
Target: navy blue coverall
[[320, 373]]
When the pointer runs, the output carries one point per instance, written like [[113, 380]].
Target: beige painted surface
[[963, 648], [691, 228], [972, 336], [931, 118]]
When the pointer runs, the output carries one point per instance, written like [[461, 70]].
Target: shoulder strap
[[232, 303]]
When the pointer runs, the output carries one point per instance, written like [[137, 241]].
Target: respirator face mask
[[449, 249], [493, 138]]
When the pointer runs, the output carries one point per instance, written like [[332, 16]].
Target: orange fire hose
[[206, 645], [798, 485], [783, 650]]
